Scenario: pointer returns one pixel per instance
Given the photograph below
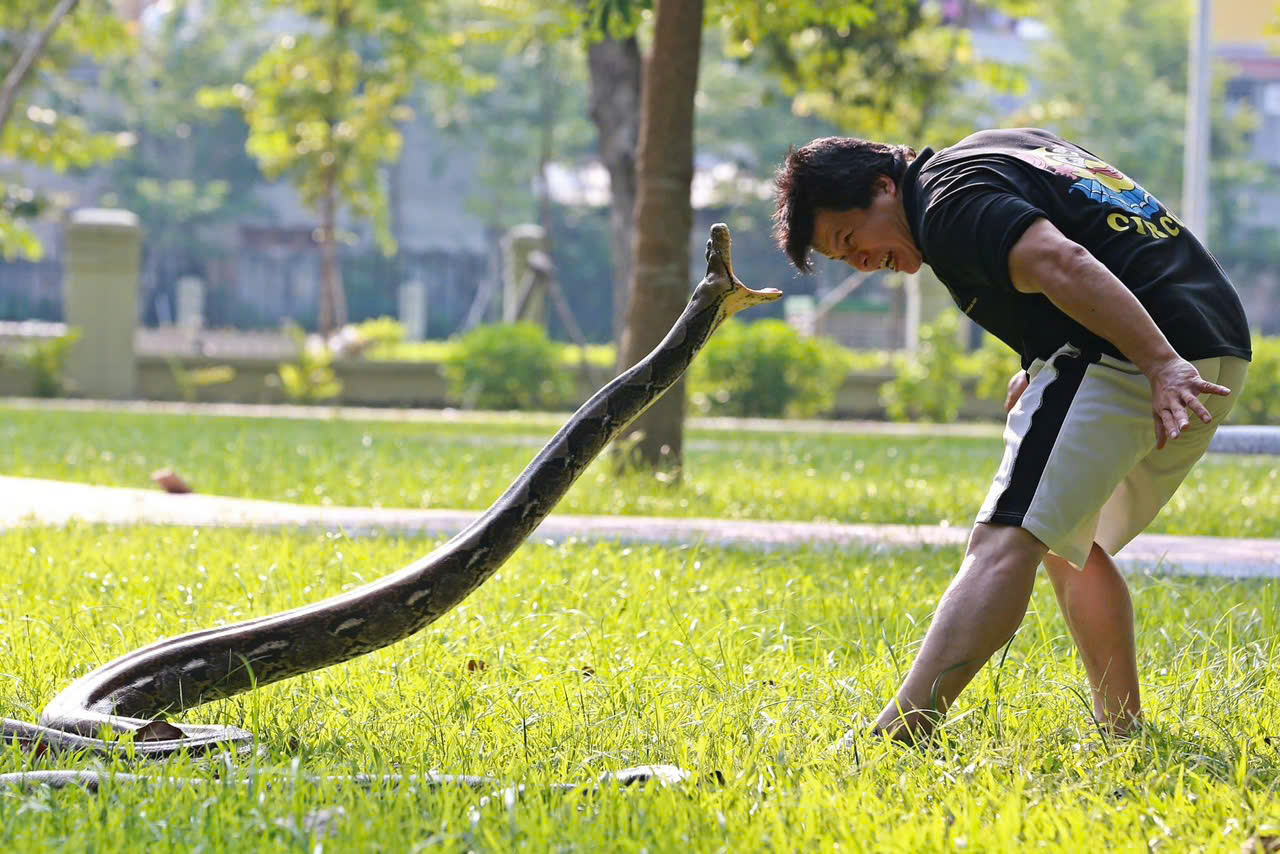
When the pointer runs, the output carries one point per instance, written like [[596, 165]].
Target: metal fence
[[31, 290], [260, 288]]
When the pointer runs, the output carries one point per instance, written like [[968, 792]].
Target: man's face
[[876, 238]]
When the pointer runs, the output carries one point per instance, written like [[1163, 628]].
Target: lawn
[[728, 474], [579, 658]]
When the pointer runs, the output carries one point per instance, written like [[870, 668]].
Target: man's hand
[[1175, 388], [1017, 385]]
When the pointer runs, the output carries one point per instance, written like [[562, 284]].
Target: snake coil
[[131, 693]]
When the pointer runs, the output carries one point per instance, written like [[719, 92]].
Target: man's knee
[[1100, 562], [1004, 550]]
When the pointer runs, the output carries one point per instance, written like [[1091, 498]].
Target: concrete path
[[1230, 439], [26, 501]]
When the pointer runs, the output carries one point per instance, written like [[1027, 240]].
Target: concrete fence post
[[190, 303], [413, 310], [523, 296], [100, 298]]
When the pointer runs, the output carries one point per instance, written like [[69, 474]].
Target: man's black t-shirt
[[968, 204]]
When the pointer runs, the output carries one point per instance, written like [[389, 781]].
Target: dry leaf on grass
[[171, 482]]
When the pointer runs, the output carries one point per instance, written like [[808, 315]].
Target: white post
[[517, 245], [190, 303], [413, 310], [100, 298], [911, 321], [1195, 162]]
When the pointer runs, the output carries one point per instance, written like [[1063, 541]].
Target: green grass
[[732, 475], [600, 657]]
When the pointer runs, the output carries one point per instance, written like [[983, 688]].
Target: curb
[[33, 501]]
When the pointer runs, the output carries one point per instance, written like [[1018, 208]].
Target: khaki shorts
[[1080, 461]]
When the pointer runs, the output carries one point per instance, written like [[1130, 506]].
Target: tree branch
[[18, 74]]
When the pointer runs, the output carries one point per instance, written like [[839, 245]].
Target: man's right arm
[[1045, 261]]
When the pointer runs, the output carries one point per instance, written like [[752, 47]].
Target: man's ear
[[885, 184]]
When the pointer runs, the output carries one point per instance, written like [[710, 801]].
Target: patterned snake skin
[[130, 694]]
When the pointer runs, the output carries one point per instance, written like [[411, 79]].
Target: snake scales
[[131, 693]]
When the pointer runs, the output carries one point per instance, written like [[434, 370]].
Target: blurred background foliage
[[1114, 73], [507, 79], [510, 79], [192, 113], [52, 131], [767, 369]]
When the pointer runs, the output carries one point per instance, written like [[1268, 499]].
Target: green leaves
[[1260, 401], [1114, 78], [886, 70], [39, 130], [17, 240], [93, 29], [323, 103], [18, 204], [1127, 105], [185, 199], [928, 386], [46, 362], [508, 366], [767, 369], [57, 141], [310, 379]]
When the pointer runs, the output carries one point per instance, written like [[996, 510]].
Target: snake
[[131, 698]]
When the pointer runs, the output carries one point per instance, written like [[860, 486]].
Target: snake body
[[133, 692]]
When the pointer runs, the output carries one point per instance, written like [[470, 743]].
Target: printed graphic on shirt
[[1103, 183], [1098, 181]]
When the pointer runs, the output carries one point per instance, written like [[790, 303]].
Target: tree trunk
[[614, 105], [664, 218], [333, 301]]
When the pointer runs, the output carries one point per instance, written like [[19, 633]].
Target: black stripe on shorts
[[1042, 434]]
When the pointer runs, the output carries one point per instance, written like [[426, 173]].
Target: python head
[[720, 287]]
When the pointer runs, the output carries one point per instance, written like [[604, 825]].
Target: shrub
[[1260, 402], [508, 366], [928, 386], [380, 332], [311, 378], [992, 365], [767, 369], [46, 361], [190, 381]]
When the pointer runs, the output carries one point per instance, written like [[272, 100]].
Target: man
[[1120, 315]]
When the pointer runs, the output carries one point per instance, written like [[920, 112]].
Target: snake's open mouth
[[720, 255], [763, 294]]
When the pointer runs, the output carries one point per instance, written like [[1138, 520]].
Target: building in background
[[1246, 38], [1243, 39]]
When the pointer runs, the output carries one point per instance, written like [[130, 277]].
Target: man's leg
[[1095, 602], [979, 612]]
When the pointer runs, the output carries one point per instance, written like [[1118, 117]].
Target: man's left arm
[[1045, 261]]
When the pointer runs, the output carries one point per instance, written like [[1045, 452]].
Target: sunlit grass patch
[[579, 658], [729, 475]]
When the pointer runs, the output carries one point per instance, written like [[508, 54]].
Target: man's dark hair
[[835, 172]]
